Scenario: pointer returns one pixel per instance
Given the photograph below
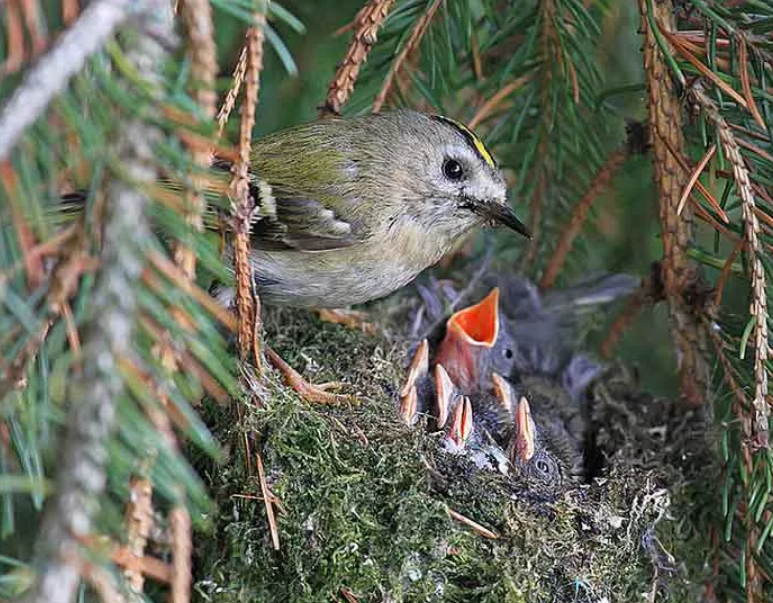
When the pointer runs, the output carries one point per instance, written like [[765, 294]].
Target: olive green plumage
[[352, 209]]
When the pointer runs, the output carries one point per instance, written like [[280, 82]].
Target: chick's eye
[[453, 169], [543, 466]]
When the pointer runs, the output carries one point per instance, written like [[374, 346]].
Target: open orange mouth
[[469, 334], [478, 324]]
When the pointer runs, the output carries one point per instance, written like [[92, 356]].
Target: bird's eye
[[542, 466], [453, 169], [508, 353]]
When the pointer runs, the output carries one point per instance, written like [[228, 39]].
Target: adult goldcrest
[[352, 209]]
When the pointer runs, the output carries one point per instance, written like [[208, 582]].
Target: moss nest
[[363, 500]]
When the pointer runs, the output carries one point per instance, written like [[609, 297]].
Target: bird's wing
[[292, 221], [288, 218]]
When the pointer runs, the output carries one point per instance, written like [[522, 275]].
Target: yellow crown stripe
[[476, 142]]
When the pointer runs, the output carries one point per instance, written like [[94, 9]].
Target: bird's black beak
[[499, 213]]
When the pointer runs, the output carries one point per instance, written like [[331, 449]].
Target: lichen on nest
[[363, 500]]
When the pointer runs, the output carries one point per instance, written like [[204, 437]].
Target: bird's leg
[[352, 319], [316, 394]]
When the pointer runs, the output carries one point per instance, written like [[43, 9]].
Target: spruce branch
[[54, 70], [198, 30], [549, 56], [491, 104], [366, 25], [15, 33], [182, 550], [758, 309], [69, 11], [243, 203], [649, 292], [419, 29], [233, 92], [679, 273], [579, 215], [138, 520], [108, 336]]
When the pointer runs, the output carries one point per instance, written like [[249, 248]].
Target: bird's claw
[[315, 394], [351, 319]]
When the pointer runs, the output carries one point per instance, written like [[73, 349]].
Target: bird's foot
[[351, 319], [315, 394]]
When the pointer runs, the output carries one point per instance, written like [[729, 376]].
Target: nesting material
[[367, 507]]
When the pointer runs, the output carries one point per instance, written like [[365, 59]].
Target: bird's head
[[541, 454], [442, 172], [471, 333]]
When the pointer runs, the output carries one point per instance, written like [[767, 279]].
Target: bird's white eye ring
[[452, 169]]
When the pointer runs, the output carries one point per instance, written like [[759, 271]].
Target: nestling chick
[[350, 210], [538, 410]]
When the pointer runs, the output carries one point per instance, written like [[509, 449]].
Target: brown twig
[[743, 66], [472, 524], [419, 29], [182, 548], [233, 92], [679, 272], [698, 64], [30, 12], [196, 16], [724, 275], [69, 11], [15, 48], [267, 496], [138, 520], [33, 264], [243, 204], [368, 21], [698, 184], [758, 307], [649, 292], [491, 104], [147, 566], [579, 215], [694, 178]]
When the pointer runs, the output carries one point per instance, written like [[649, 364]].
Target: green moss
[[364, 499]]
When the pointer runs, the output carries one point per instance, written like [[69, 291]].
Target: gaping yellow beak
[[523, 438]]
